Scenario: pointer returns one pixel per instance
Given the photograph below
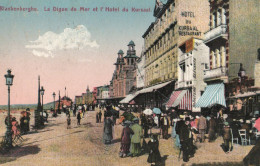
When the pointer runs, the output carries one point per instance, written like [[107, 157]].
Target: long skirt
[[125, 148], [135, 148], [165, 132], [107, 137]]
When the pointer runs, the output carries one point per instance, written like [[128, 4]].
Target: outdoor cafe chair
[[243, 137]]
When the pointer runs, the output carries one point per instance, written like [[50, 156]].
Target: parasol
[[157, 111], [257, 124], [148, 112]]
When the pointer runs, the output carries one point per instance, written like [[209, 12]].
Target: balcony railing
[[219, 31], [215, 73]]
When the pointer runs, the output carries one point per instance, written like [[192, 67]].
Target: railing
[[216, 72], [218, 31]]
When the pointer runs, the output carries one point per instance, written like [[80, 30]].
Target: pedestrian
[[186, 139], [97, 118], [227, 138], [126, 139], [27, 124], [212, 128], [78, 118], [100, 116], [202, 125], [22, 123], [153, 148], [136, 138], [164, 126], [108, 130], [68, 122]]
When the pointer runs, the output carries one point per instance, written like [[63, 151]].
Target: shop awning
[[128, 98], [155, 87], [181, 98], [214, 94]]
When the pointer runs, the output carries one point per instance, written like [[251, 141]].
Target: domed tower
[[120, 60], [130, 58]]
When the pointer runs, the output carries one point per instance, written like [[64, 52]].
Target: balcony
[[215, 33], [219, 73]]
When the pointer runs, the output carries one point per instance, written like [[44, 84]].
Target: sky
[[72, 49]]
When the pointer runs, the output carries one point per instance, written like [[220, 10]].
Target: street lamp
[[9, 82], [241, 74], [54, 100], [42, 93]]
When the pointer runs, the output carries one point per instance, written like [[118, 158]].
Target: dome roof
[[131, 43], [120, 52]]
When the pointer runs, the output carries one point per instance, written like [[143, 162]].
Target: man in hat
[[136, 138], [226, 137], [27, 118], [202, 125], [187, 140], [164, 126]]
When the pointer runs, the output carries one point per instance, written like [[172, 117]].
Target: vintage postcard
[[129, 82]]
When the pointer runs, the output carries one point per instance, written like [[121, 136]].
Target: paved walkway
[[82, 145]]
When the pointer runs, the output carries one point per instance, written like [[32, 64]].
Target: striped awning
[[181, 98], [128, 98], [173, 97], [186, 101], [214, 94]]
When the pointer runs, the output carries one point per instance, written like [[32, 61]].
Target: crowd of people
[[186, 131]]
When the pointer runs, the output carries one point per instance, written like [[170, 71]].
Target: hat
[[27, 109], [127, 122], [241, 120], [197, 117], [182, 116], [226, 123], [187, 119], [191, 117], [135, 120], [248, 121]]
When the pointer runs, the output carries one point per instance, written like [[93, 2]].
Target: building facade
[[193, 60], [176, 21], [123, 79]]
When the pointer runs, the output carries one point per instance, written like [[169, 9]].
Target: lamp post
[[9, 82], [241, 74], [42, 93], [54, 100], [59, 111]]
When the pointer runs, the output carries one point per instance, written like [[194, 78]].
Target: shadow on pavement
[[17, 152], [220, 164], [116, 141], [75, 132]]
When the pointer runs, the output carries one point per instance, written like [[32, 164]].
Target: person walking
[[227, 138], [202, 125], [78, 118], [136, 138], [107, 131], [68, 122], [212, 128], [99, 116], [164, 126], [125, 139], [187, 140], [153, 148]]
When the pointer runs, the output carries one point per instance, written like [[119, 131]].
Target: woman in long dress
[[126, 139], [108, 134], [154, 154], [136, 138]]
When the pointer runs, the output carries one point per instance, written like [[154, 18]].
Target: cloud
[[69, 39]]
